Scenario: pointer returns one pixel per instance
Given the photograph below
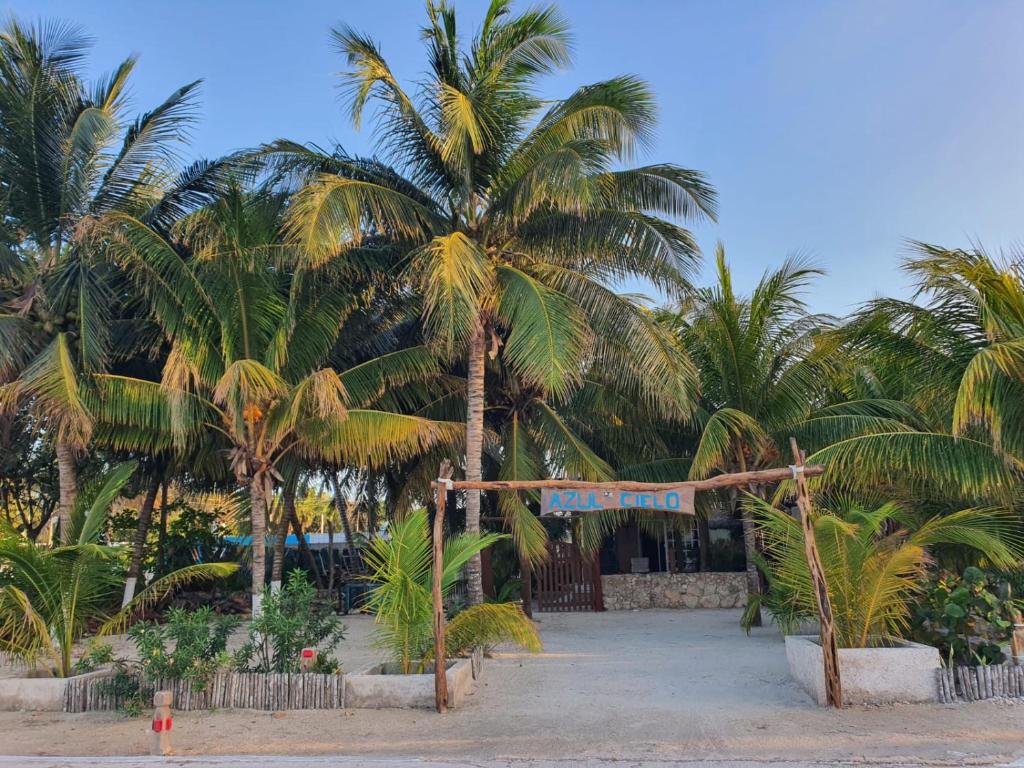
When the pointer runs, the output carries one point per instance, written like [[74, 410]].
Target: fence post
[[162, 723], [307, 659], [1017, 639]]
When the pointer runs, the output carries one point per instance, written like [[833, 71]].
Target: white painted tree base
[[129, 590]]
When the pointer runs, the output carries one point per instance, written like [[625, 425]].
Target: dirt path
[[642, 686]]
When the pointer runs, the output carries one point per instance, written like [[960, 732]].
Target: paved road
[[611, 689], [283, 761]]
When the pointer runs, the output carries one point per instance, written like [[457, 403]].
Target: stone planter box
[[382, 686], [39, 693], [902, 673]]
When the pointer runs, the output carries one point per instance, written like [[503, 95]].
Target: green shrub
[[291, 619], [96, 655], [191, 645], [967, 618]]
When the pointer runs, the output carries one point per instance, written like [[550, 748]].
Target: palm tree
[[250, 331], [760, 372], [401, 568], [512, 210], [875, 562], [952, 358], [68, 153], [50, 597]]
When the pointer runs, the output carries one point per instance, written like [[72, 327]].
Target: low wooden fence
[[225, 690], [977, 683]]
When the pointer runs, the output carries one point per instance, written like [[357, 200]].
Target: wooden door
[[567, 581]]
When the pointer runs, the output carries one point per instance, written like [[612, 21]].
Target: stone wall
[[626, 591]]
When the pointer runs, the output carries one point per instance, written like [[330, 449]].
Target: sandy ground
[[647, 687]]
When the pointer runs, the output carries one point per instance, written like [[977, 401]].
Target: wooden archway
[[685, 490]]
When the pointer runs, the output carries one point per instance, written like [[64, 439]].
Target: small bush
[[291, 619], [191, 645], [967, 618], [96, 655]]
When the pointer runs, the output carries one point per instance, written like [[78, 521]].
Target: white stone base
[[380, 688], [905, 673], [37, 693]]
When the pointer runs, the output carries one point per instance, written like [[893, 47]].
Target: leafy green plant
[[291, 619], [401, 567], [967, 618], [875, 562], [50, 598], [190, 645], [96, 655], [125, 686]]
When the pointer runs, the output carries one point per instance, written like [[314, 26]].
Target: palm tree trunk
[[258, 502], [161, 564], [474, 456], [304, 549], [139, 544], [750, 550], [67, 469], [749, 547], [342, 508], [287, 510], [330, 556], [704, 542]]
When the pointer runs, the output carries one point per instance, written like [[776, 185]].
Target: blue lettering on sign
[[574, 501], [671, 501]]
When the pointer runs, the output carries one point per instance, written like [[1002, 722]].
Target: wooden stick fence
[[978, 683], [226, 690]]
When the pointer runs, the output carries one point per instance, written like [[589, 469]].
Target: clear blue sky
[[835, 129]]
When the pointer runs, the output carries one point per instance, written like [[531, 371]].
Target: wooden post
[[160, 743], [829, 652], [440, 668], [1017, 639]]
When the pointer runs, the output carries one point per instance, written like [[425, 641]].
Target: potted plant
[[401, 572], [876, 564]]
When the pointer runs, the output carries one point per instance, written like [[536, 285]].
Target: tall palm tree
[[68, 153], [766, 367], [251, 331], [515, 217]]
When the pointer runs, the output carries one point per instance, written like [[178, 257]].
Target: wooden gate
[[568, 582]]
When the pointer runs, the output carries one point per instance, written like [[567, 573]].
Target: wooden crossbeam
[[735, 479]]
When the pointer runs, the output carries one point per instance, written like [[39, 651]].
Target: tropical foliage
[[292, 619], [969, 618], [518, 217], [402, 576], [70, 152], [291, 323], [875, 562], [50, 597]]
